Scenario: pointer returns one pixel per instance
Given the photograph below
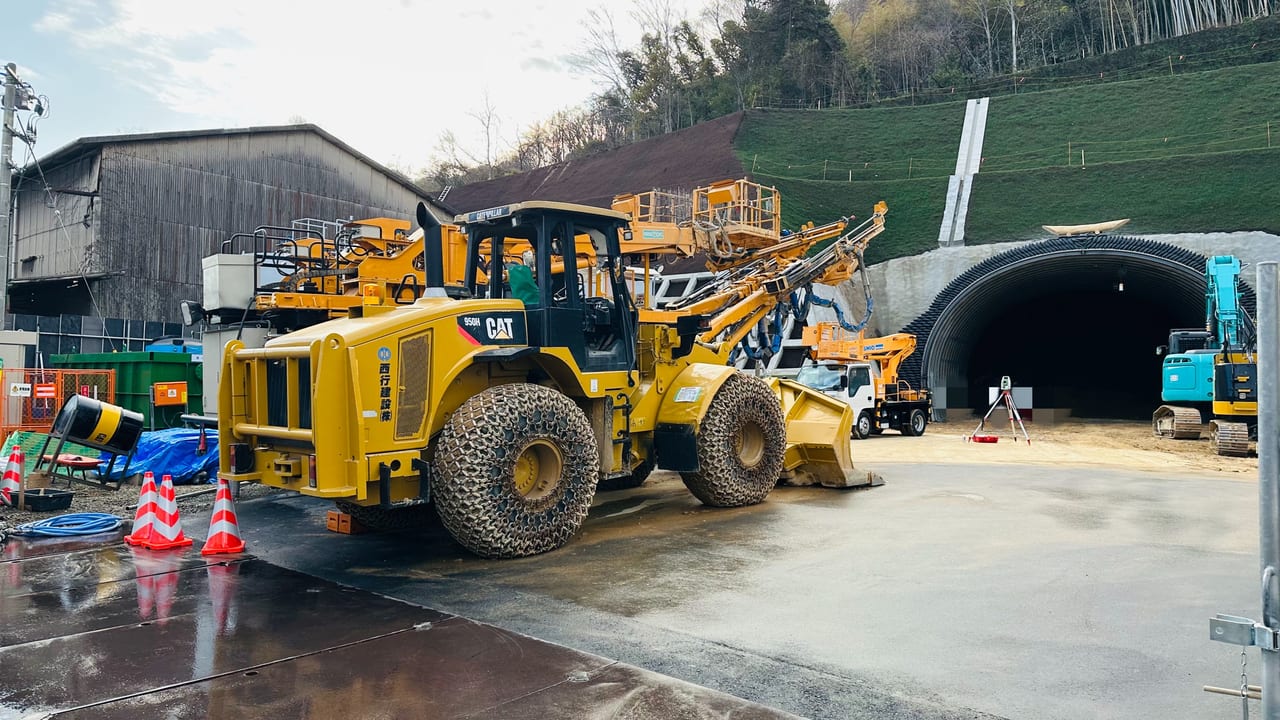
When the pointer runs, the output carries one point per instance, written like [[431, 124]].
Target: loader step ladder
[[1004, 398]]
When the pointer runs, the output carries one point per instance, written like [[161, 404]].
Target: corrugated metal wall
[[166, 203], [56, 227]]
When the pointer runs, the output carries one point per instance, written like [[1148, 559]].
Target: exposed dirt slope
[[684, 159]]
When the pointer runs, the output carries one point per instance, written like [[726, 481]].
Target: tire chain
[[416, 517], [474, 463], [721, 480]]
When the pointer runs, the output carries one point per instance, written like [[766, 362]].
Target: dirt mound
[[681, 160], [1084, 443]]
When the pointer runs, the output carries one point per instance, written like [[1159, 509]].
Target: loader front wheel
[[740, 446], [515, 470]]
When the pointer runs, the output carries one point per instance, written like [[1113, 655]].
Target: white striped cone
[[224, 530], [145, 519], [166, 531], [11, 483]]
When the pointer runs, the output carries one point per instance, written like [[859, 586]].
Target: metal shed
[[116, 226]]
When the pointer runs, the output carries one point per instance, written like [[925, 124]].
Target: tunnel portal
[[1077, 319]]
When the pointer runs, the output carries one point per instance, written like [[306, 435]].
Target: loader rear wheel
[[917, 421], [740, 445], [515, 470], [863, 426], [414, 517]]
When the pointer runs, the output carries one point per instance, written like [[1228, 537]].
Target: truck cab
[[851, 383]]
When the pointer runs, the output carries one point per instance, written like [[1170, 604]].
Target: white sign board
[[19, 389], [1022, 396]]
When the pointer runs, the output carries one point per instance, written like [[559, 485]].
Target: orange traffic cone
[[145, 519], [11, 483], [166, 528], [224, 530]]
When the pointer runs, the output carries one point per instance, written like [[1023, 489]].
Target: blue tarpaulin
[[171, 452]]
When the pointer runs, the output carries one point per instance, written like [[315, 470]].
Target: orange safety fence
[[30, 398]]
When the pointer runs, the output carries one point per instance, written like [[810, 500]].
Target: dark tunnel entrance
[[1091, 351], [1076, 319]]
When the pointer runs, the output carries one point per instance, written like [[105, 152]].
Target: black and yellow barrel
[[99, 425]]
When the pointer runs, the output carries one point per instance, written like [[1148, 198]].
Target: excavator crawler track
[[1179, 423], [1229, 438]]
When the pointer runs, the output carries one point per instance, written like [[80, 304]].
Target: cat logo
[[498, 328]]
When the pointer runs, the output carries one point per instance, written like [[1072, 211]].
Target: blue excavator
[[1212, 371]]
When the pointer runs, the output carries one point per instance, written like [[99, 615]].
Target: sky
[[388, 77]]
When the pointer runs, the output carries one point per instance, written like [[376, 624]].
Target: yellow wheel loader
[[506, 414]]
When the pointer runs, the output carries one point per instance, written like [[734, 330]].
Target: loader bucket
[[818, 437]]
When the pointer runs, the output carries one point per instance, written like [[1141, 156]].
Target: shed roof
[[86, 145]]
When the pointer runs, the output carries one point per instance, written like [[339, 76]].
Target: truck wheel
[[414, 517], [740, 445], [515, 470], [916, 423], [863, 426]]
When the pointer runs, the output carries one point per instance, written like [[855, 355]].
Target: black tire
[[414, 517], [917, 421], [740, 445], [515, 470], [634, 480], [863, 426]]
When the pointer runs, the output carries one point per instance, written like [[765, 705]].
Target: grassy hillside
[[911, 227], [1186, 153], [1224, 192], [870, 144], [1204, 112]]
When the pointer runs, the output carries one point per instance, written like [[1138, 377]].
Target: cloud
[[541, 64], [389, 77]]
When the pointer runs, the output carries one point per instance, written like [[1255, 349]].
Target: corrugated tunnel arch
[[1077, 319]]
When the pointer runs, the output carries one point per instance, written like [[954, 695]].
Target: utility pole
[[6, 182]]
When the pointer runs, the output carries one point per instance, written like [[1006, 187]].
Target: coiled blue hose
[[70, 525]]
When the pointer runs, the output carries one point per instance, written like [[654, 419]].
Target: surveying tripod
[[1005, 397]]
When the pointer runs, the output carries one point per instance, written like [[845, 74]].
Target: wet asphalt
[[953, 591]]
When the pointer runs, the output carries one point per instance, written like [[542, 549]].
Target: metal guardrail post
[[1265, 633], [1269, 474]]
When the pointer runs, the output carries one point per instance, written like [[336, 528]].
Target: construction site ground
[[1070, 578]]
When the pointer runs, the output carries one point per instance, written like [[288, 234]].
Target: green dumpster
[[136, 372]]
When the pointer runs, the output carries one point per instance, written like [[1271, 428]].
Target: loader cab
[[583, 302]]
